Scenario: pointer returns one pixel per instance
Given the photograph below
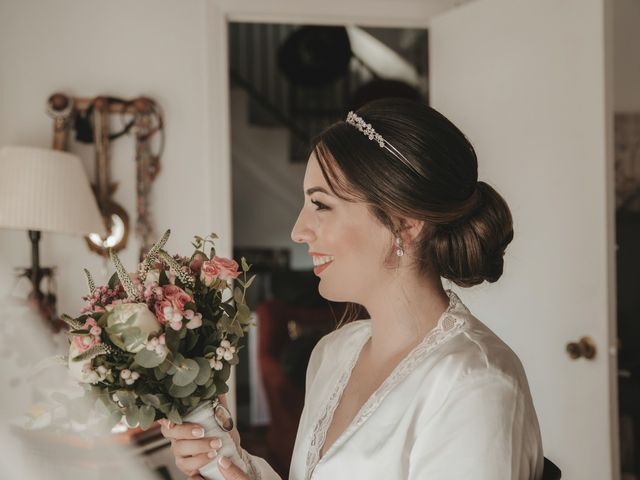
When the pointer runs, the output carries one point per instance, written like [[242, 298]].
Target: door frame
[[217, 16], [374, 13]]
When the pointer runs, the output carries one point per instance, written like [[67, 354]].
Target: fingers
[[230, 471], [184, 431], [196, 477], [185, 448], [191, 465]]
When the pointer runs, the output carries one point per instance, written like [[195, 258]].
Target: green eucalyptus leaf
[[158, 373], [172, 340], [249, 282], [245, 265], [126, 397], [225, 372], [150, 399], [149, 358], [132, 414], [237, 294], [210, 390], [244, 313], [205, 371], [182, 391], [147, 416], [186, 373]]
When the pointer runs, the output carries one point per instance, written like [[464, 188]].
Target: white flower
[[144, 320], [225, 344], [125, 374], [220, 351], [153, 276], [217, 365], [228, 355]]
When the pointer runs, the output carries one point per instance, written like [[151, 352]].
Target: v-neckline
[[398, 373]]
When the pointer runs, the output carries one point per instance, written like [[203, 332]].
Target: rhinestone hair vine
[[368, 131]]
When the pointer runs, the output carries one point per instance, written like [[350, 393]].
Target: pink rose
[[218, 267], [178, 297], [85, 342], [228, 268], [209, 272], [160, 309]]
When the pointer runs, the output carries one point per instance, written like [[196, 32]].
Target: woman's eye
[[320, 205]]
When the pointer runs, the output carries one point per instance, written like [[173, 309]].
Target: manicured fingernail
[[224, 461], [198, 432], [212, 454], [217, 443]]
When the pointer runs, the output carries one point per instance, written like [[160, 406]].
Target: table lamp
[[45, 190]]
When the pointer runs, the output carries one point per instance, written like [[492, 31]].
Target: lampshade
[[46, 190]]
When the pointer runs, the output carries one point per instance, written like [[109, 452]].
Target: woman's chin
[[333, 293]]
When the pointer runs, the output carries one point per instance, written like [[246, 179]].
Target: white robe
[[458, 406]]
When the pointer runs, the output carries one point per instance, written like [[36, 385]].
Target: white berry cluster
[[157, 345], [128, 376], [94, 376], [224, 351]]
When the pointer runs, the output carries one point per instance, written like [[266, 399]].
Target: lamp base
[[45, 303]]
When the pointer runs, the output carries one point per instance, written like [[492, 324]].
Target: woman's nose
[[300, 232]]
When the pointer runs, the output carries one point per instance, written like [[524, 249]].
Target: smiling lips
[[320, 262]]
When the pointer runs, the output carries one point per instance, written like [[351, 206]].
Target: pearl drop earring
[[399, 250]]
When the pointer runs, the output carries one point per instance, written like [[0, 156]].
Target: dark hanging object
[[315, 56], [84, 127], [381, 88]]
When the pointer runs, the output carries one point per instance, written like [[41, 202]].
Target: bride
[[422, 389]]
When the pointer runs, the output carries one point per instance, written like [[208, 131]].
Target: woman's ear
[[409, 229]]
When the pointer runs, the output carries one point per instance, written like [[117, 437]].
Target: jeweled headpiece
[[368, 131]]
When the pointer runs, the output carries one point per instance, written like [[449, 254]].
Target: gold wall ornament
[[90, 118]]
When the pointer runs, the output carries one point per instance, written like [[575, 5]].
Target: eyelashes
[[320, 205]]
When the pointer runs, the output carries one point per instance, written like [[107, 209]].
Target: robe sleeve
[[481, 431], [259, 469]]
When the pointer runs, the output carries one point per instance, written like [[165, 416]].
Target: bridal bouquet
[[160, 342]]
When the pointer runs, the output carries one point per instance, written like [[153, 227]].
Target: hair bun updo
[[470, 249]]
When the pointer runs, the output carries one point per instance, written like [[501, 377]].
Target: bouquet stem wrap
[[210, 415]]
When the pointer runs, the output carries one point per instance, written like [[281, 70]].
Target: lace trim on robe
[[447, 326]]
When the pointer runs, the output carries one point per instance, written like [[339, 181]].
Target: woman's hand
[[188, 444], [193, 451]]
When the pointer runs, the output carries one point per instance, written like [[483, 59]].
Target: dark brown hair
[[468, 225]]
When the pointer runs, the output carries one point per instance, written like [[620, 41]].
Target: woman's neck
[[402, 313]]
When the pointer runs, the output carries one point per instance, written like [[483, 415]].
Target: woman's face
[[355, 242]]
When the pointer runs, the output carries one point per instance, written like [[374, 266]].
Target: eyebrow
[[316, 189]]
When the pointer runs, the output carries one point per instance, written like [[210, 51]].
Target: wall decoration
[[90, 120]]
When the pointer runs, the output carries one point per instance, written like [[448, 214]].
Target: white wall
[[121, 48]]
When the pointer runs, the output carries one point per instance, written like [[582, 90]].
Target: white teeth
[[321, 260]]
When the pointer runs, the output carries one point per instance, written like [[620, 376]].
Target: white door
[[528, 81]]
